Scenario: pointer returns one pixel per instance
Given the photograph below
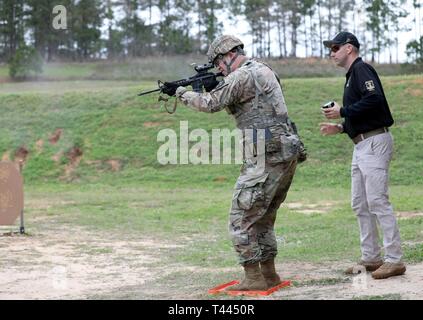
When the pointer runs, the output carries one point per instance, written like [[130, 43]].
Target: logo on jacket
[[370, 86]]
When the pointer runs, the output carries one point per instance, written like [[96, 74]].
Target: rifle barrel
[[147, 92], [185, 82]]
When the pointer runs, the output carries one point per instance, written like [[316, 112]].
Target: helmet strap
[[228, 65]]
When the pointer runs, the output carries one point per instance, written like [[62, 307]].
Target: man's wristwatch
[[341, 127]]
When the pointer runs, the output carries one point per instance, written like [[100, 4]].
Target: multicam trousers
[[256, 199]]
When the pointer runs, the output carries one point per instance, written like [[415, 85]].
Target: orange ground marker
[[222, 289]]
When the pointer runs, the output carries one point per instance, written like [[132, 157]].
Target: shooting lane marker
[[11, 195], [222, 289]]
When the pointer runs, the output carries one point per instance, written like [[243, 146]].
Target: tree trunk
[[252, 44], [285, 51], [320, 30], [340, 15], [12, 31], [199, 26], [312, 43], [278, 25], [329, 19], [305, 36], [373, 51], [293, 41], [268, 32]]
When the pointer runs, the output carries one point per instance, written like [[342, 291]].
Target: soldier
[[250, 92]]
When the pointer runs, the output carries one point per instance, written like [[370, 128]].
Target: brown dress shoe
[[370, 266], [389, 269]]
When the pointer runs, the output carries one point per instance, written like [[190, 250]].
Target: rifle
[[197, 82]]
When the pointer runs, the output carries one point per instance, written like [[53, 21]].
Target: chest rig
[[266, 110]]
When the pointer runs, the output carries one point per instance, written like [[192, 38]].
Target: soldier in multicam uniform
[[251, 93]]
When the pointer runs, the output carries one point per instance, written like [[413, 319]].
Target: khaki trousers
[[370, 199]]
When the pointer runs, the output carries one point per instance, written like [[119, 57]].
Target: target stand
[[11, 197]]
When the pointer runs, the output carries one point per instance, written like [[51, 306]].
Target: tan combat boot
[[370, 266], [254, 280], [389, 269], [269, 273]]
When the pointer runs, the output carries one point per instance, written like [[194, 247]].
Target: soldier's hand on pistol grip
[[302, 154], [169, 88], [210, 83]]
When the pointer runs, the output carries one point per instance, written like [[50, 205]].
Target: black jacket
[[365, 106]]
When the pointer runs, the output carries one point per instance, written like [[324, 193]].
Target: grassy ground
[[109, 122], [314, 225], [117, 185]]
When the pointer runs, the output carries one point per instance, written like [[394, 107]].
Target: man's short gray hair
[[355, 49]]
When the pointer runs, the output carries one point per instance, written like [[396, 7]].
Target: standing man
[[250, 92], [366, 121]]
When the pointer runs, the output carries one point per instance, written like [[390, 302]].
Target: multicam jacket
[[253, 96]]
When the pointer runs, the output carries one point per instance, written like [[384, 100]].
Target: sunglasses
[[335, 48]]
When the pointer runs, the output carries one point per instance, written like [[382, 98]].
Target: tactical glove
[[169, 88], [302, 153], [210, 83]]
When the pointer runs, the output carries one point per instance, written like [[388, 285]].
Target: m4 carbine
[[203, 79]]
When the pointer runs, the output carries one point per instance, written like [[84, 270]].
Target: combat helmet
[[222, 45]]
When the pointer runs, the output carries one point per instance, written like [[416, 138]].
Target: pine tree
[[87, 19], [11, 27], [174, 27], [208, 24]]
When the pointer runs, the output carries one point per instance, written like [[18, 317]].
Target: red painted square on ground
[[222, 289]]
